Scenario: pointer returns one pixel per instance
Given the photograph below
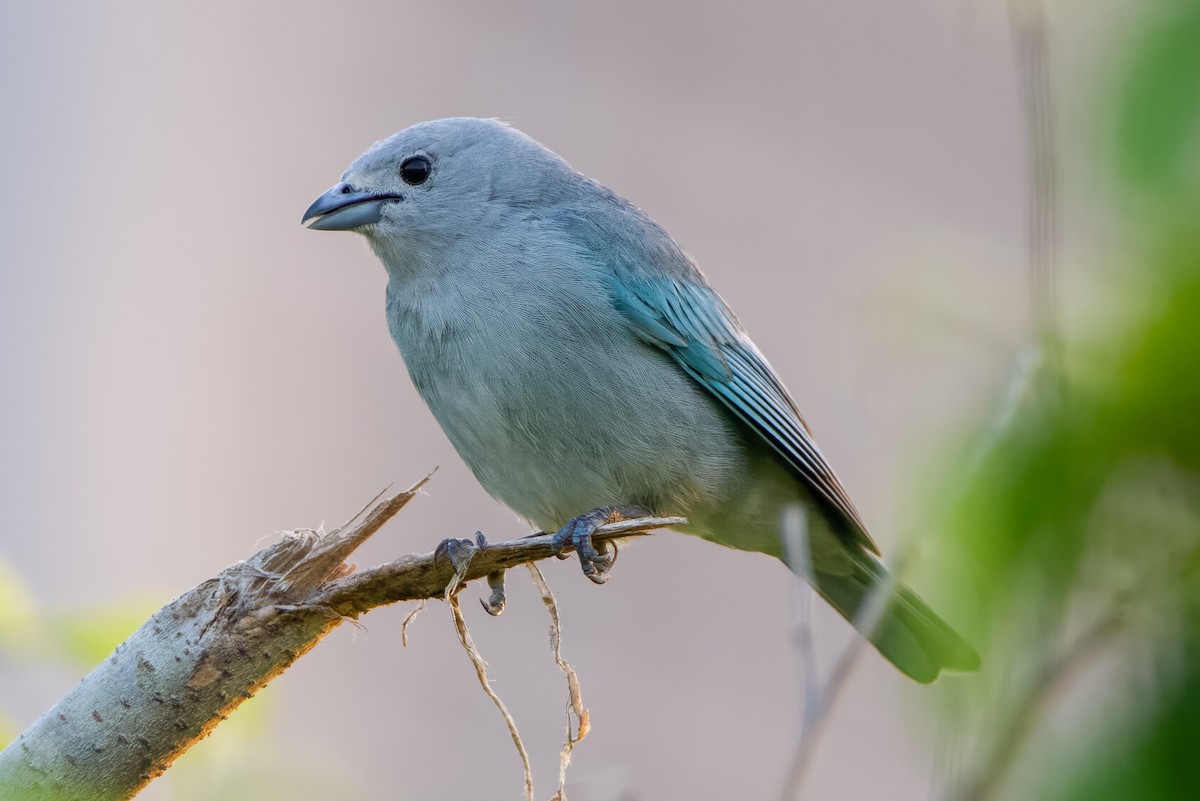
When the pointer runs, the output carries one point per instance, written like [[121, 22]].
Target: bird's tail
[[906, 631]]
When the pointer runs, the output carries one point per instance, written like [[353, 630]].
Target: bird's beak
[[343, 208]]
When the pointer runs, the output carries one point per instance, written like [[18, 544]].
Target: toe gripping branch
[[494, 605], [578, 532], [460, 552]]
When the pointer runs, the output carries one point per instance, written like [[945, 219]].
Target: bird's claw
[[578, 533], [457, 550], [494, 605], [460, 552]]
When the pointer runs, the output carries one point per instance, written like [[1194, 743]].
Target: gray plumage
[[577, 358]]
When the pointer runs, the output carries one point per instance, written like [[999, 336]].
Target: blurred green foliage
[[1158, 116], [1158, 762], [78, 638], [239, 761], [17, 615], [87, 636], [8, 729], [1075, 538]]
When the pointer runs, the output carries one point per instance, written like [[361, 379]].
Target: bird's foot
[[578, 534], [460, 552], [494, 605]]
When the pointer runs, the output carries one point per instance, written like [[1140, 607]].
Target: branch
[[204, 653], [1019, 719]]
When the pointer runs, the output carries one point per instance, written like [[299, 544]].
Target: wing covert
[[691, 323]]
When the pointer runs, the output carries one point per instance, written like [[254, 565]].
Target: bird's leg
[[578, 533], [495, 604]]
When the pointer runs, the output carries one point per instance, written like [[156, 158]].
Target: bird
[[586, 371]]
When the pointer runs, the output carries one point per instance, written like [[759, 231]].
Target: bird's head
[[436, 182]]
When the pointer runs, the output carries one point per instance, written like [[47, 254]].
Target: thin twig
[[409, 619], [468, 644], [574, 697], [1019, 723], [417, 576], [369, 504], [325, 560], [1027, 19], [796, 548], [865, 622]]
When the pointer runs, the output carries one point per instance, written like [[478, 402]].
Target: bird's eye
[[415, 170]]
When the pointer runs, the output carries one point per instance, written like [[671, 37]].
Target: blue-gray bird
[[585, 370]]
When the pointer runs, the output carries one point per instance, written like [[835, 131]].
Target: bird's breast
[[557, 407]]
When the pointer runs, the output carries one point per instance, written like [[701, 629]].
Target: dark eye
[[415, 170]]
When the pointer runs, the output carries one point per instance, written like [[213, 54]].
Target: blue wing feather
[[664, 297], [691, 323]]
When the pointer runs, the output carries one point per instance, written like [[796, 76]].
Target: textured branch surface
[[205, 652]]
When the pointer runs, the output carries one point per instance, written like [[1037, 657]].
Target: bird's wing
[[688, 320]]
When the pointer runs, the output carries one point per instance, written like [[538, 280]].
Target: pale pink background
[[186, 370]]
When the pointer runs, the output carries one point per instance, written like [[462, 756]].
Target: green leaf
[[1158, 106]]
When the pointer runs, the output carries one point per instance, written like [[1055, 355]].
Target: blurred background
[[185, 371]]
